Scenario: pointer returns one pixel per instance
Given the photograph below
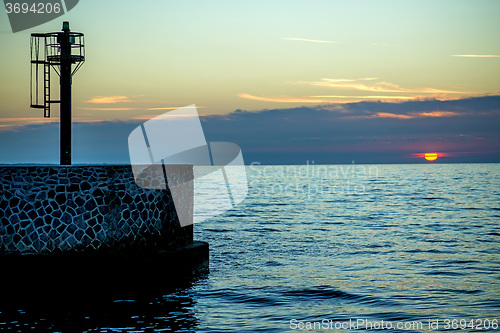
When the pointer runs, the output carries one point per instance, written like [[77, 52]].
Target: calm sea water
[[380, 245]]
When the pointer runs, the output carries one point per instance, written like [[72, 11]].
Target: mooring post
[[65, 110]]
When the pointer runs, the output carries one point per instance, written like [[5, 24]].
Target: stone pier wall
[[47, 209]]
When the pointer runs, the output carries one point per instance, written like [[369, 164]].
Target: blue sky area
[[289, 81]]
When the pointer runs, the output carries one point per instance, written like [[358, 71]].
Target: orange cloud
[[28, 119], [381, 115], [365, 97], [7, 124], [107, 109], [109, 99], [438, 114], [283, 99], [391, 115], [337, 99], [172, 108], [83, 120], [366, 84], [411, 115], [341, 99], [145, 117], [385, 87]]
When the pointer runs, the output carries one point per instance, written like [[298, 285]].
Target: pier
[[89, 225]]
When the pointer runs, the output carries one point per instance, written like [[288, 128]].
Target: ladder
[[46, 89], [39, 57]]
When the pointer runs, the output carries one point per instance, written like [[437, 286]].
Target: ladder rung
[[35, 106]]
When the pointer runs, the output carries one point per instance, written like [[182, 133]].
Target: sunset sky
[[289, 81]]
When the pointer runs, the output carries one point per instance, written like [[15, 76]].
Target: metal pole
[[65, 108]]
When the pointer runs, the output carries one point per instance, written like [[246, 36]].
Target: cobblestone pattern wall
[[51, 208]]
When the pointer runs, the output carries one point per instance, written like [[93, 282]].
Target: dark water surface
[[402, 244]]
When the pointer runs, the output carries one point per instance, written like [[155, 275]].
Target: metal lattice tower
[[59, 51]]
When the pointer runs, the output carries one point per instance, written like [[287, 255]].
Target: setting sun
[[431, 156]]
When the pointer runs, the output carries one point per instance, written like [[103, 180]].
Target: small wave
[[378, 245], [323, 292], [273, 263], [261, 229], [237, 215], [266, 204], [239, 297], [445, 273], [217, 230], [461, 262], [462, 291], [364, 252], [426, 251], [326, 292]]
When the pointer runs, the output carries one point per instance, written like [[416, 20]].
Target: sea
[[326, 248]]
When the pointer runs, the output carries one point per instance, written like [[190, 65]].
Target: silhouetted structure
[[58, 50]]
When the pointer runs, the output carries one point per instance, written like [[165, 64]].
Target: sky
[[289, 81]]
